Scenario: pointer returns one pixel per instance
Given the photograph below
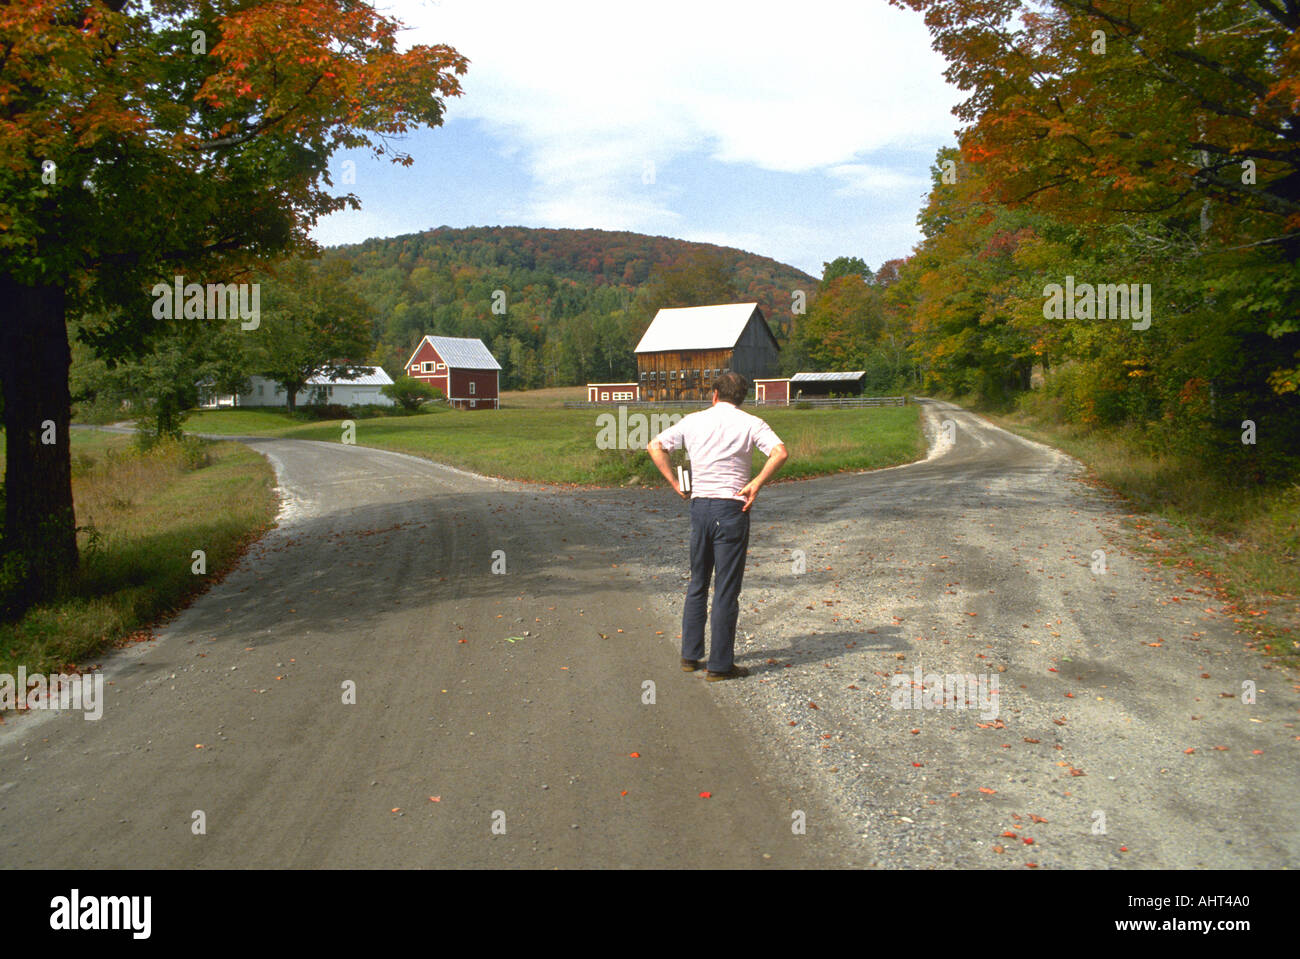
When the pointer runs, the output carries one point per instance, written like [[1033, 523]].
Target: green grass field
[[560, 446], [141, 515]]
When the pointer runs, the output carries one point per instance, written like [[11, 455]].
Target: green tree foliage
[[845, 266], [145, 140], [1116, 143], [410, 393], [856, 322], [312, 323]]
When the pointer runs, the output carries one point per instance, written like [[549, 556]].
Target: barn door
[[762, 393]]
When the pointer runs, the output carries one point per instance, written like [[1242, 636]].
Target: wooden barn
[[684, 350], [462, 367], [611, 393], [772, 392], [827, 384]]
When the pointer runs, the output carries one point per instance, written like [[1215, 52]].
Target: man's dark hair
[[732, 388]]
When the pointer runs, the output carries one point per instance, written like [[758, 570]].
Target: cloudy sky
[[797, 130]]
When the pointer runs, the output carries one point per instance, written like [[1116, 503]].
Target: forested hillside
[[571, 305]]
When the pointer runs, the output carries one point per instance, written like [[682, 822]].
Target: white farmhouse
[[360, 390]]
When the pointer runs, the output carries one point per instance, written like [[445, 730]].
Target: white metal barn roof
[[696, 328], [375, 377], [462, 352], [827, 377]]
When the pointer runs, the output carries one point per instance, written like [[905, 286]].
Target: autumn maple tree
[[141, 141], [1116, 142]]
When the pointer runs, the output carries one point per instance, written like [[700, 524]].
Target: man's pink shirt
[[720, 444]]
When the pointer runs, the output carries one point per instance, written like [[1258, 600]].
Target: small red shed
[[772, 392], [462, 367], [611, 392]]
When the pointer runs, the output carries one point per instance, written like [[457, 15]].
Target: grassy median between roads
[[1246, 540], [141, 515], [562, 446]]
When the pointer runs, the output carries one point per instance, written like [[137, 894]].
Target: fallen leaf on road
[[435, 799], [706, 795], [985, 789]]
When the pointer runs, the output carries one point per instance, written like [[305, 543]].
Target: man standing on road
[[719, 442]]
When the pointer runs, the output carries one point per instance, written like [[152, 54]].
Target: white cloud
[[865, 179], [589, 93]]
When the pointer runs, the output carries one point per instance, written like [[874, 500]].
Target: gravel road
[[1102, 723]]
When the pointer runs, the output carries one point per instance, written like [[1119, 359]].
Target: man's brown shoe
[[691, 665], [734, 673]]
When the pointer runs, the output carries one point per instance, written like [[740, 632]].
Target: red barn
[[462, 367]]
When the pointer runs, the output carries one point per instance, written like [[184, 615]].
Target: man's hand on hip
[[775, 459], [750, 492]]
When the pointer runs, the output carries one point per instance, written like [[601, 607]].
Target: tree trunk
[[40, 526]]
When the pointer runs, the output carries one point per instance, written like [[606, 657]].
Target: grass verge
[[141, 514]]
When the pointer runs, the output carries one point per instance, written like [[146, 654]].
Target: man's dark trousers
[[719, 542]]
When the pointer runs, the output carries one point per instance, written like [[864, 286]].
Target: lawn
[[560, 446]]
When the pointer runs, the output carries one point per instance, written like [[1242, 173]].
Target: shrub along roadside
[[141, 513]]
